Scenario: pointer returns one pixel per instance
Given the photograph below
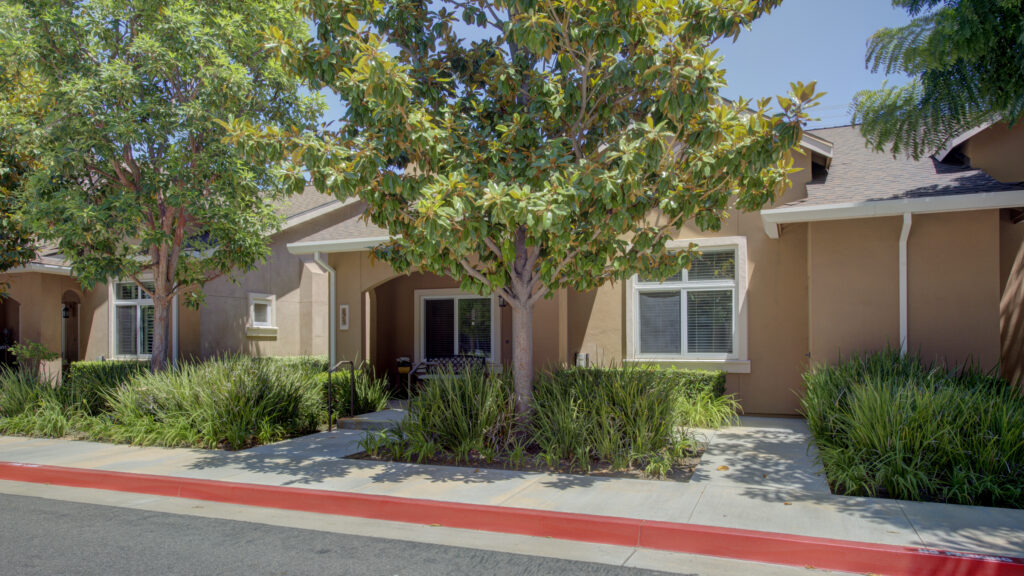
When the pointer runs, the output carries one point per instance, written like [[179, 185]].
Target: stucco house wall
[[299, 287]]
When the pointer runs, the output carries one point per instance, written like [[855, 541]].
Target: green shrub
[[90, 382], [372, 393], [310, 364], [892, 426], [459, 414], [232, 402], [627, 417]]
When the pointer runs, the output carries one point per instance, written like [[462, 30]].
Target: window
[[453, 324], [691, 315], [261, 311], [133, 320]]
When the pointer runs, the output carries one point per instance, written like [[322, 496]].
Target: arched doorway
[[10, 324], [70, 305]]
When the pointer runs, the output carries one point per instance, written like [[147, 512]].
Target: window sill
[[263, 332], [730, 366]]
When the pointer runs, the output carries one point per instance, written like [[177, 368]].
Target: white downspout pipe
[[331, 298], [904, 235]]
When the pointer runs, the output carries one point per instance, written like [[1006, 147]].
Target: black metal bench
[[428, 368]]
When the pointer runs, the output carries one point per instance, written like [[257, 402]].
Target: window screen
[[709, 321], [127, 335], [260, 314], [660, 330], [475, 326], [438, 328], [713, 266]]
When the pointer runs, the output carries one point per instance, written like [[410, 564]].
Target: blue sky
[[822, 40], [807, 40]]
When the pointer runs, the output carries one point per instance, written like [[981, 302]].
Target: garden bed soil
[[681, 472]]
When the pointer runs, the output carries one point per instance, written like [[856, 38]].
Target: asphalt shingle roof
[[859, 174], [352, 228]]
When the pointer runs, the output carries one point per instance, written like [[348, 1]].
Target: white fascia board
[[332, 246], [772, 217], [960, 139], [40, 267], [816, 144]]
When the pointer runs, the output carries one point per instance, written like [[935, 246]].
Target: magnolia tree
[[134, 177], [519, 146]]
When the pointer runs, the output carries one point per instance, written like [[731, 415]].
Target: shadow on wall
[[1012, 323]]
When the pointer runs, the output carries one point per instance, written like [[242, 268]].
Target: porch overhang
[[773, 218]]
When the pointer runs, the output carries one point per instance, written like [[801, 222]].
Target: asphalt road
[[51, 537]]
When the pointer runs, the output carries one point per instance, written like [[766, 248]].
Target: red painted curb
[[752, 545]]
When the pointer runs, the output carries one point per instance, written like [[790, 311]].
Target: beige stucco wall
[[1011, 283], [39, 297], [999, 151], [853, 294], [300, 290], [776, 307], [953, 287]]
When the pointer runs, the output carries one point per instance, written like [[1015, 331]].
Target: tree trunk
[[522, 357], [161, 338]]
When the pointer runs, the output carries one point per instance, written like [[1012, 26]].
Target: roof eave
[[40, 267], [772, 218], [335, 246]]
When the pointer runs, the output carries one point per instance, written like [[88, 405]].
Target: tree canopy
[[19, 109], [966, 63], [519, 145], [134, 178]]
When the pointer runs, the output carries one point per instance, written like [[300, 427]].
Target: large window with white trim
[[692, 314], [453, 324], [133, 321]]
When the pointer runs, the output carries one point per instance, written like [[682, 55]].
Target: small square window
[[261, 310]]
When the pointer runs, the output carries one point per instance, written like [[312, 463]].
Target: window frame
[[737, 360], [419, 326], [143, 300], [271, 301]]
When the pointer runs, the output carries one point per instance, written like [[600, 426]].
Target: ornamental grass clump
[[618, 419], [892, 426], [232, 402]]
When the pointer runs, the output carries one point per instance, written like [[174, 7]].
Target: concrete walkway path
[[757, 476]]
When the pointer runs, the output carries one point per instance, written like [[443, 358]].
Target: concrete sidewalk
[[755, 476]]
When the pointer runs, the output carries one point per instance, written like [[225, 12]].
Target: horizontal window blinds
[[709, 321], [660, 330]]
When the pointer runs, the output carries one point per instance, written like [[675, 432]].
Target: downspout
[[331, 298], [904, 235]]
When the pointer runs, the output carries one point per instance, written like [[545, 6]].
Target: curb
[[751, 545]]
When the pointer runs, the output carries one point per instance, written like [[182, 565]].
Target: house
[[864, 251], [275, 310]]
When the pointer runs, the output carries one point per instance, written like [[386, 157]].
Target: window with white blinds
[[133, 321], [692, 314], [457, 325]]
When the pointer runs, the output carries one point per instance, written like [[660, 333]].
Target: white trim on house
[[738, 361], [444, 293], [773, 217], [960, 139], [333, 246], [817, 144], [267, 329], [40, 267]]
